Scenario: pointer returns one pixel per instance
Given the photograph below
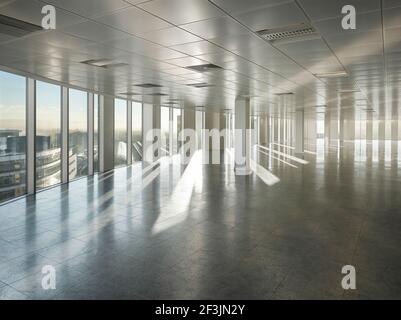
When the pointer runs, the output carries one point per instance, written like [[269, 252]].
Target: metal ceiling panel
[[214, 28], [133, 21], [286, 14], [89, 8], [94, 31], [170, 36], [181, 11]]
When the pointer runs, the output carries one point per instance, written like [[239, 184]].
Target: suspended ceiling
[[155, 41]]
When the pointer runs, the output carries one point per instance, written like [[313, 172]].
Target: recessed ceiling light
[[204, 67], [104, 63], [200, 85], [292, 32], [156, 94], [348, 91], [284, 93], [335, 74], [147, 85], [130, 94]]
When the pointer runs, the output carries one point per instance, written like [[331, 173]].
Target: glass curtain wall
[[48, 135], [165, 130], [48, 140], [120, 132], [78, 133], [136, 131], [12, 136]]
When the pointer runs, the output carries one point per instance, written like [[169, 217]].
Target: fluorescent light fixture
[[292, 32], [334, 74], [348, 91]]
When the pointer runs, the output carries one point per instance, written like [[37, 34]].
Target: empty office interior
[[195, 149]]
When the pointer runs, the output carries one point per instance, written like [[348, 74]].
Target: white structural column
[[170, 130], [129, 132], [151, 132], [106, 133], [299, 131], [90, 132], [242, 137], [30, 136], [147, 123], [64, 136], [189, 123]]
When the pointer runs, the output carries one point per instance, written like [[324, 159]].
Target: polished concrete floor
[[199, 232]]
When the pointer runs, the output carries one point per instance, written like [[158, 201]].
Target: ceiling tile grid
[[158, 40]]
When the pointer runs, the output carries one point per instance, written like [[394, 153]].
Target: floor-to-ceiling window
[[96, 133], [165, 130], [177, 127], [12, 136], [120, 132], [78, 133], [136, 131], [48, 134]]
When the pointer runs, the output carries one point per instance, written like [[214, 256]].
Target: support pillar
[[30, 136], [242, 137], [151, 132], [65, 147], [91, 126], [299, 131], [106, 133], [129, 132]]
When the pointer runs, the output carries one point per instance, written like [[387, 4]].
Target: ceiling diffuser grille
[[16, 28], [200, 85], [287, 33], [204, 67], [147, 85], [156, 94], [104, 63], [130, 94]]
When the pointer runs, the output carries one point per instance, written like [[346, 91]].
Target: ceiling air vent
[[200, 85], [104, 63], [16, 28], [147, 85], [284, 94], [204, 67], [130, 94], [156, 94], [292, 32]]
